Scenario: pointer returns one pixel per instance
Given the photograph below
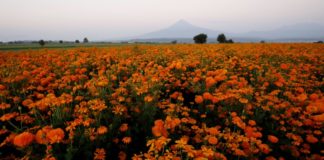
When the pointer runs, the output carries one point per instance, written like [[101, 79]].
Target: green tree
[[230, 41], [41, 42], [174, 42], [200, 38], [77, 41], [85, 40], [221, 38]]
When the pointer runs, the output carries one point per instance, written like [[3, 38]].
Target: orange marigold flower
[[119, 109], [182, 142], [233, 114], [243, 100], [199, 99], [122, 155], [174, 95], [239, 152], [318, 118], [264, 148], [8, 116], [270, 158], [210, 81], [4, 106], [302, 97], [127, 140], [212, 140], [311, 139], [195, 79], [278, 83], [55, 135], [273, 139], [116, 140], [2, 87], [100, 154], [300, 90], [207, 96], [102, 130], [252, 123], [123, 127], [313, 96], [27, 102], [24, 139], [158, 129], [148, 98], [215, 99], [41, 137], [213, 131], [284, 66]]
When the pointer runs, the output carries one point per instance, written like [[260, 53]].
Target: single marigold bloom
[[148, 98], [41, 137], [264, 148], [284, 66], [122, 155], [252, 123], [212, 140], [273, 139], [270, 158], [239, 152], [311, 139], [4, 106], [158, 129], [55, 135], [214, 99], [278, 83], [102, 130], [174, 95], [213, 131], [100, 154], [24, 139], [207, 96], [313, 96], [195, 79], [123, 127], [8, 116], [199, 99], [302, 97], [210, 81], [116, 140], [233, 114], [318, 118], [182, 142], [127, 140], [2, 87], [244, 100]]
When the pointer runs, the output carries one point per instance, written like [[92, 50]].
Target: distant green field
[[55, 45]]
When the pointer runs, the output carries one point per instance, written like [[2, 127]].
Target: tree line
[[202, 38], [42, 42]]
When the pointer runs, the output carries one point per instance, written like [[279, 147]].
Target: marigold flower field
[[184, 101]]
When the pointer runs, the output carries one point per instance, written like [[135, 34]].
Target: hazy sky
[[105, 19]]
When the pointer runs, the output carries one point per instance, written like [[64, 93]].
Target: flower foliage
[[240, 101]]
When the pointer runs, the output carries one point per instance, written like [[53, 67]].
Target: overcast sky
[[105, 19]]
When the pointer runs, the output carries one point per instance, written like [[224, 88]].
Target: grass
[[55, 45]]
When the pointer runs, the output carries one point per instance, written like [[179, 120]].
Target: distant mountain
[[300, 31], [184, 31], [180, 29]]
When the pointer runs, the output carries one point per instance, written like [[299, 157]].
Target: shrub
[[200, 38]]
